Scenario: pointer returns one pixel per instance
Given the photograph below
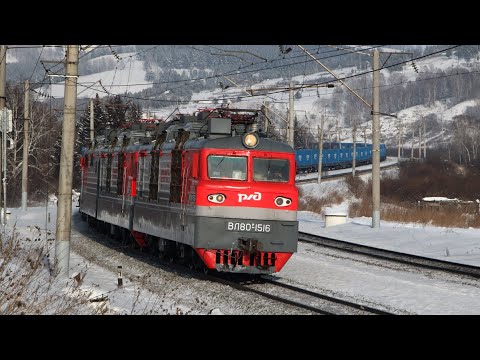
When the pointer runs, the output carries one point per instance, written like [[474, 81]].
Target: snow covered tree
[[134, 112], [115, 112]]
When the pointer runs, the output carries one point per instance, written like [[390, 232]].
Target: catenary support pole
[[424, 139], [3, 81], [26, 119], [399, 141], [64, 209], [4, 169], [290, 132], [320, 150], [376, 143], [354, 154], [413, 141], [420, 141], [266, 117], [92, 124]]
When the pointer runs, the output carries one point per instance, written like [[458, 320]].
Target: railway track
[[413, 260], [265, 286], [312, 302], [300, 297]]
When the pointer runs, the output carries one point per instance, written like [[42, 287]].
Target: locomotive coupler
[[249, 245]]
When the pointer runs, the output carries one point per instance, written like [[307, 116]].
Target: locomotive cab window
[[277, 170], [227, 167]]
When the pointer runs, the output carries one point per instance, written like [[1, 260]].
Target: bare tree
[[44, 131], [466, 136]]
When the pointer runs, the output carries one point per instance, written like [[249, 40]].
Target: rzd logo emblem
[[255, 196]]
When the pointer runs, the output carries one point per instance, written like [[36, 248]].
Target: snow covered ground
[[353, 278], [448, 244], [147, 288], [383, 285], [395, 288]]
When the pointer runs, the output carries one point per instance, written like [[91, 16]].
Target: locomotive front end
[[246, 205]]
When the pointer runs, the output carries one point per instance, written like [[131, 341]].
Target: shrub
[[26, 286]]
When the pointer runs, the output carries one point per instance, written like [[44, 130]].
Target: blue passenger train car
[[336, 156]]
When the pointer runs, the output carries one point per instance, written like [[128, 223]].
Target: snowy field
[[157, 289], [148, 288], [160, 290]]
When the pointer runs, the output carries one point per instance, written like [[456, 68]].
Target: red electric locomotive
[[210, 189]]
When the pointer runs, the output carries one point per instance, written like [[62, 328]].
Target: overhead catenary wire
[[194, 80], [326, 94], [241, 97], [202, 78], [229, 73], [260, 95], [36, 64], [256, 70]]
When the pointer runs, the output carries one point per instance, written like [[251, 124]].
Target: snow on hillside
[[458, 109], [128, 74], [110, 58], [389, 125], [189, 72], [309, 96], [441, 62]]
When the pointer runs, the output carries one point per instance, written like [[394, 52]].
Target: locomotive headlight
[[250, 140], [216, 198], [282, 201]]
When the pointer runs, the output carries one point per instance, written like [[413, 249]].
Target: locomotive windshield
[[277, 170], [227, 167]]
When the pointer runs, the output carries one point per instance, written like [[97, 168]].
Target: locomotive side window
[[153, 187], [146, 176], [277, 170], [131, 174], [227, 167], [109, 173], [113, 182], [139, 175], [121, 157], [103, 173], [164, 177]]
